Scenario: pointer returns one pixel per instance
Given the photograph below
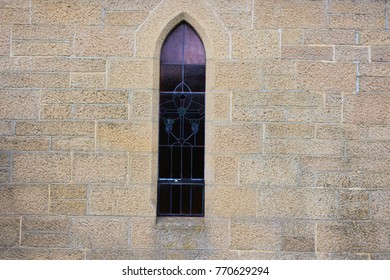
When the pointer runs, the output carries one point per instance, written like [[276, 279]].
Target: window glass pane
[[193, 48], [176, 196], [194, 77], [164, 198], [197, 200], [172, 50], [170, 77]]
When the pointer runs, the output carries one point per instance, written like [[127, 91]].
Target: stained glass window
[[181, 124]]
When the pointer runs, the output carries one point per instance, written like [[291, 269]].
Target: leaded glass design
[[181, 124]]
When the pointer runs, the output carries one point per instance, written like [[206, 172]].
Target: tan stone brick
[[367, 109], [239, 20], [96, 233], [318, 76], [379, 133], [341, 131], [34, 80], [68, 64], [304, 147], [252, 234], [130, 18], [280, 82], [354, 212], [73, 12], [24, 200], [258, 114], [131, 5], [130, 74], [352, 237], [44, 239], [140, 169], [41, 254], [343, 256], [184, 234], [9, 231], [4, 176], [99, 168], [19, 104], [279, 67], [7, 128], [70, 207], [43, 32], [307, 52], [333, 99], [236, 75], [303, 203], [142, 104], [357, 7], [268, 170], [380, 201], [41, 167], [232, 5], [68, 192], [374, 38], [379, 256], [84, 96], [362, 148], [55, 128], [325, 163], [299, 228], [37, 48], [380, 54], [5, 34], [5, 160], [218, 106], [371, 164], [15, 63], [298, 244], [254, 44], [238, 138], [314, 115], [55, 112], [117, 201], [356, 21], [330, 36], [100, 112], [226, 170], [289, 131], [291, 14], [72, 144], [14, 16], [98, 41], [231, 202], [16, 4], [375, 84], [42, 224], [17, 143], [88, 80], [129, 136], [292, 36], [374, 69], [351, 53]]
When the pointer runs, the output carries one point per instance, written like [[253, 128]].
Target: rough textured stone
[[380, 209], [130, 74], [18, 143], [85, 96], [307, 52], [56, 112], [5, 34], [226, 170], [9, 231], [24, 200], [304, 147], [68, 200], [72, 144], [289, 131], [352, 53], [33, 80], [87, 80], [330, 37], [100, 112], [41, 254], [238, 138], [367, 109], [33, 48], [140, 169], [19, 104], [55, 128], [7, 128]]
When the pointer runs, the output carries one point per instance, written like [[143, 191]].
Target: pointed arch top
[[150, 36]]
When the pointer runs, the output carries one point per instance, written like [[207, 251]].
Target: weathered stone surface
[[7, 128], [134, 74], [88, 80], [85, 96], [325, 163], [95, 233], [9, 231], [72, 144], [41, 167], [68, 64], [140, 169], [298, 244], [5, 159], [56, 112], [238, 138], [352, 53], [18, 143], [55, 128], [99, 168], [289, 131], [304, 147], [226, 170], [380, 209], [307, 53], [68, 200], [33, 80], [19, 104], [314, 115], [41, 254], [341, 131], [330, 37], [130, 18], [24, 200], [100, 112], [5, 34], [34, 48]]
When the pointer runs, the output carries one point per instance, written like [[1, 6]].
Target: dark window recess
[[181, 124]]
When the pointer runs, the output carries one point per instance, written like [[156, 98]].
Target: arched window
[[181, 124]]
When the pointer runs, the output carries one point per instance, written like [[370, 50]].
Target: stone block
[[18, 143], [7, 128], [236, 75], [375, 69], [16, 64], [117, 201], [236, 20], [352, 237], [325, 163], [24, 200], [140, 169], [88, 80], [55, 112], [303, 147], [380, 201], [299, 228], [99, 168], [125, 18], [131, 5], [95, 233], [375, 84], [292, 36], [39, 48], [231, 202], [297, 203], [303, 131], [9, 231], [5, 160], [5, 35], [252, 234], [354, 212], [291, 14], [72, 144], [367, 149], [14, 16], [380, 54], [33, 167], [85, 96], [378, 133], [67, 64], [98, 41], [258, 114], [352, 53], [255, 44], [298, 244], [55, 128], [307, 52], [34, 80], [333, 99], [343, 256], [314, 115], [360, 7], [184, 234], [120, 136], [268, 170], [41, 33], [68, 200], [238, 138], [19, 104], [279, 67], [341, 132], [330, 37], [367, 109], [73, 12], [133, 74], [280, 82], [100, 112], [142, 105], [41, 254], [317, 76], [356, 21], [226, 170], [374, 38]]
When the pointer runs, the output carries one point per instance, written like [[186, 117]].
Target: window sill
[[180, 222]]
